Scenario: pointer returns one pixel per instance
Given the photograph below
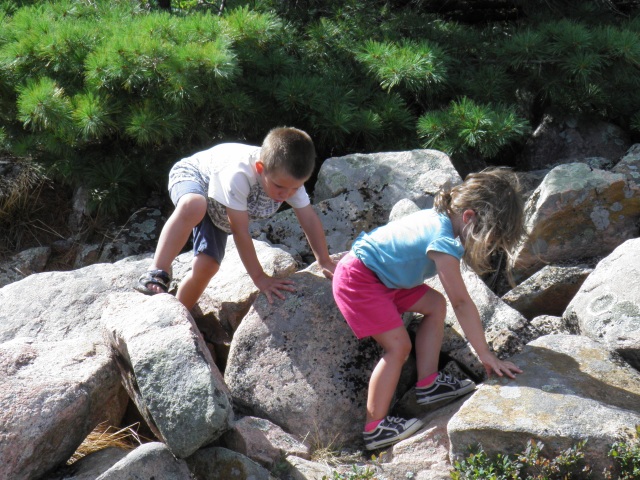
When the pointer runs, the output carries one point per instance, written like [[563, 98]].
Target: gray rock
[[607, 306], [263, 442], [217, 463], [52, 395], [548, 291], [52, 306], [565, 140], [549, 325], [572, 389], [297, 364], [343, 218], [149, 461], [416, 175], [23, 264], [303, 469], [402, 208], [357, 192], [168, 370], [576, 213], [629, 165], [91, 466], [138, 236]]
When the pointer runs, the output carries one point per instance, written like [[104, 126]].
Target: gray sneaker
[[389, 431], [445, 387]]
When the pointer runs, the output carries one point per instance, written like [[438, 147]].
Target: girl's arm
[[448, 268]]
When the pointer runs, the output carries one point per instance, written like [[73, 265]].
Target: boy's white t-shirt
[[227, 172]]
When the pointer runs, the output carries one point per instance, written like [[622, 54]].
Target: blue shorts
[[207, 238]]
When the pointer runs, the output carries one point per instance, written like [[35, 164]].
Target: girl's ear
[[259, 167], [468, 216]]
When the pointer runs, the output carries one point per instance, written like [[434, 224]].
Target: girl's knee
[[439, 304], [401, 350], [432, 305]]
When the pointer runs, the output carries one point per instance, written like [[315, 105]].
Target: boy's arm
[[312, 227], [239, 221], [448, 268]]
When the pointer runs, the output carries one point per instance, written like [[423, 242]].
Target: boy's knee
[[204, 267], [192, 205]]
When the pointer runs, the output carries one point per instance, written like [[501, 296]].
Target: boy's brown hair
[[494, 195], [289, 150]]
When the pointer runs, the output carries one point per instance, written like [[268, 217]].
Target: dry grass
[[17, 184], [104, 436], [33, 211], [329, 453]]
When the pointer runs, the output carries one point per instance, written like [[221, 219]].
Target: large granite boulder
[[572, 389], [576, 213], [607, 306]]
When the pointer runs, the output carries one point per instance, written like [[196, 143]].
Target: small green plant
[[626, 457], [532, 465], [478, 466], [568, 464], [529, 465], [356, 473]]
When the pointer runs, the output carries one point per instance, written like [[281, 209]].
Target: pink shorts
[[367, 304]]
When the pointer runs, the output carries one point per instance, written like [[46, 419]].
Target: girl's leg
[[433, 306], [189, 211], [384, 379], [195, 282]]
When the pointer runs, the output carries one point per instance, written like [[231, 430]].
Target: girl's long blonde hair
[[494, 195]]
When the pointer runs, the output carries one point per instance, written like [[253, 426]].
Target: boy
[[217, 192]]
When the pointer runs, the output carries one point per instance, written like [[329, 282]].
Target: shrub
[[532, 465], [86, 83]]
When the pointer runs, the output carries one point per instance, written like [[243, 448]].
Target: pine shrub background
[[108, 94]]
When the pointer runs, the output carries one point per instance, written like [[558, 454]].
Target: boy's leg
[[384, 379], [209, 244], [195, 282], [189, 212]]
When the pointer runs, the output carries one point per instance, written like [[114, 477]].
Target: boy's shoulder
[[230, 148], [223, 156]]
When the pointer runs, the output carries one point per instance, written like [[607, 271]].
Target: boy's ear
[[259, 167]]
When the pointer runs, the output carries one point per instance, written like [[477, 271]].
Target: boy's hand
[[500, 367], [273, 286]]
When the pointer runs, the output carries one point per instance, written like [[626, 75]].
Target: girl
[[382, 277]]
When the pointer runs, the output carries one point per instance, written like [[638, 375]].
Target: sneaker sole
[[385, 443], [447, 396]]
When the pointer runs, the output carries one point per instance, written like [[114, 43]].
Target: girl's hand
[[500, 367], [328, 267]]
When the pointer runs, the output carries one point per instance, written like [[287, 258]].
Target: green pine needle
[[42, 105]]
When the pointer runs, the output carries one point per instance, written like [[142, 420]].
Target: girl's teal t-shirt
[[397, 252]]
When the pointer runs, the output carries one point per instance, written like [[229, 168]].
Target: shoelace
[[396, 420], [447, 378]]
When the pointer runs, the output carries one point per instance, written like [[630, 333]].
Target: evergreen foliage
[[124, 84]]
